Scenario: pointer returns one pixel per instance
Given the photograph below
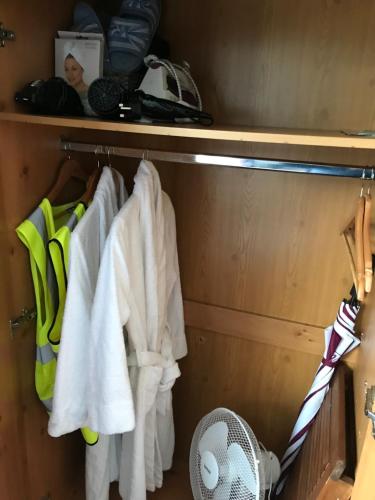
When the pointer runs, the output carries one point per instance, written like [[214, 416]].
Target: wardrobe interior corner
[[265, 256]]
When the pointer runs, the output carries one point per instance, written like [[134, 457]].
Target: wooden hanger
[[367, 243], [93, 182], [70, 169], [360, 261], [91, 186], [357, 235], [350, 245]]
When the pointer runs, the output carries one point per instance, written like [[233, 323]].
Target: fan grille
[[229, 485]]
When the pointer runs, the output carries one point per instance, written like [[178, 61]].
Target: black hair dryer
[[51, 97]]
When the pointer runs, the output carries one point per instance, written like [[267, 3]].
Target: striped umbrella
[[339, 340]]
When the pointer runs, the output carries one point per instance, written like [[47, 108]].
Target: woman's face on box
[[73, 71]]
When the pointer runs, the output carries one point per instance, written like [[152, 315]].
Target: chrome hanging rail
[[219, 160]]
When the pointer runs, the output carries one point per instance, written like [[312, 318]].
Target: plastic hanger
[[70, 169]]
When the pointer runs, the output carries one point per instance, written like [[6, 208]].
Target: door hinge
[[6, 35], [25, 316], [369, 406]]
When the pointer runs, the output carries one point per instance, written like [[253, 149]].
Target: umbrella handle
[[360, 261], [367, 243]]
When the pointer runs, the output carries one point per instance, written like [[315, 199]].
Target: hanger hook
[[67, 150], [97, 154], [363, 181], [109, 157], [370, 178]]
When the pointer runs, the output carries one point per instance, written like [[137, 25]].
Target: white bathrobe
[[138, 288], [72, 377]]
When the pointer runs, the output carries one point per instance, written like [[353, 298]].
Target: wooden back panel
[[293, 63], [267, 243]]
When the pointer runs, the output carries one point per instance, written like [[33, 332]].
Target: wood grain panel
[[247, 326], [34, 465], [292, 137], [325, 452], [293, 63], [364, 375], [263, 384], [13, 480], [364, 484], [31, 56], [340, 490], [264, 243]]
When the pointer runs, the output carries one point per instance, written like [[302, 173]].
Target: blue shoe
[[130, 34], [149, 10], [87, 21]]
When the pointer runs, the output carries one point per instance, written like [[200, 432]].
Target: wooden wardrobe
[[263, 265]]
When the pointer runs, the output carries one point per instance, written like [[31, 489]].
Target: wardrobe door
[[31, 55], [364, 378], [32, 464]]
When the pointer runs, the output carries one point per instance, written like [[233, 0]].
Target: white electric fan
[[226, 462]]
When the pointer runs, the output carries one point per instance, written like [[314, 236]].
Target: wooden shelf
[[241, 134]]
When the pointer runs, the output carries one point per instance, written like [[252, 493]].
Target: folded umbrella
[[339, 340]]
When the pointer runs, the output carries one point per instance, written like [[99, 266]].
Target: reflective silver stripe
[[72, 222], [45, 354], [37, 218], [48, 403]]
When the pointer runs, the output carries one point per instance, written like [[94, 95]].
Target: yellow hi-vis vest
[[35, 233], [58, 248]]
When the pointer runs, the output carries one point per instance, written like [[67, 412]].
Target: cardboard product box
[[79, 60]]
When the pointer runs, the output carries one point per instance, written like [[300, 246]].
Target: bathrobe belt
[[170, 371]]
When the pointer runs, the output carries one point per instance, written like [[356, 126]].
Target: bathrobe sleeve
[[69, 404], [175, 310], [111, 409]]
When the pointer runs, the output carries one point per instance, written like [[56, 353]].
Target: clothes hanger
[[348, 234], [367, 239], [70, 169], [350, 245], [359, 252], [92, 183], [357, 236], [115, 178]]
